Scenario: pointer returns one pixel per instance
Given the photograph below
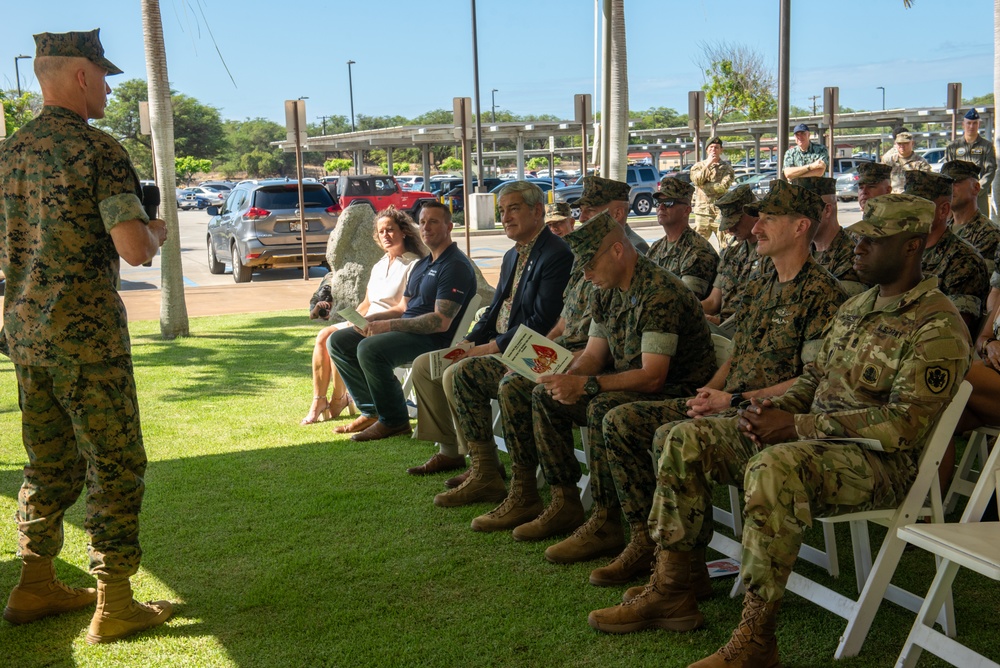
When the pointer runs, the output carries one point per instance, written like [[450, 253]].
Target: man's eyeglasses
[[590, 265], [667, 203]]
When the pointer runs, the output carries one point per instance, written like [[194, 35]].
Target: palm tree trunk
[[996, 92], [618, 112], [173, 309]]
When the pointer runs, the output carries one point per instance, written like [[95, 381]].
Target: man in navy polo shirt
[[436, 296]]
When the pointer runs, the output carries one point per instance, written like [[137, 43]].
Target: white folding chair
[[464, 325], [874, 577], [966, 475], [971, 544]]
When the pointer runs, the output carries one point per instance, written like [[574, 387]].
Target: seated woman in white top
[[396, 232]]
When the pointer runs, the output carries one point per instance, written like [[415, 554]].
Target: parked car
[[935, 156], [643, 179], [187, 198], [378, 192], [847, 185], [209, 193], [258, 227], [760, 184], [544, 184], [222, 186], [844, 165], [456, 196]]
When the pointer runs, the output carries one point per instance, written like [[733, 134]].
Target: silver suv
[[644, 179], [258, 227]]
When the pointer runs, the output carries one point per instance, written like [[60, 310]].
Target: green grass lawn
[[291, 546]]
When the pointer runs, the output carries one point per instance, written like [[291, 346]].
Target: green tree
[[19, 110], [259, 163], [187, 166], [250, 147], [738, 85], [451, 164], [657, 117], [197, 128], [339, 165]]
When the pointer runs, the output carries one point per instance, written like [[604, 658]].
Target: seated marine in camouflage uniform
[[873, 181], [960, 269], [647, 339], [833, 249], [605, 195], [893, 358], [779, 326], [967, 222], [681, 251]]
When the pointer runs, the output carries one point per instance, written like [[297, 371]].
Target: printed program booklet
[[444, 358], [532, 355], [353, 317]]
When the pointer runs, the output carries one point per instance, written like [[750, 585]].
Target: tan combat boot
[[752, 644], [700, 580], [635, 560], [600, 536], [39, 594], [483, 484], [563, 514], [521, 505], [119, 615], [667, 602]]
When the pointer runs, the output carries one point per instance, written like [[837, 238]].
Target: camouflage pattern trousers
[[706, 224], [786, 486], [475, 382], [80, 424], [539, 430]]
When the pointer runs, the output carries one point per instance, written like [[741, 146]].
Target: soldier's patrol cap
[[730, 205], [714, 140], [586, 239], [888, 215], [904, 138], [74, 45], [598, 191], [870, 173], [896, 130], [674, 190], [928, 185], [801, 127], [972, 114], [820, 185], [785, 198], [960, 170], [557, 211]]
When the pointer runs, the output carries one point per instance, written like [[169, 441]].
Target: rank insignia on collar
[[937, 378]]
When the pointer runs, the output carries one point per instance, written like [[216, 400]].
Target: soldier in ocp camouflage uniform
[[779, 327], [837, 255], [711, 177], [892, 360], [647, 330], [69, 207], [904, 160], [681, 251], [967, 221], [960, 269]]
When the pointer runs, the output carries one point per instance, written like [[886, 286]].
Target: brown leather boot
[[119, 615], [521, 505], [602, 535], [667, 602], [39, 594], [563, 514], [752, 644], [700, 580], [483, 484], [452, 483], [635, 560]]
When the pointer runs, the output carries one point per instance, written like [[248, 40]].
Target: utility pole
[[814, 98]]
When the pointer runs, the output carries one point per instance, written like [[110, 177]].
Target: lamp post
[[493, 119], [882, 88], [17, 72], [350, 88]]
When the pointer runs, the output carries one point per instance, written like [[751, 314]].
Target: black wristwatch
[[592, 387], [736, 400]]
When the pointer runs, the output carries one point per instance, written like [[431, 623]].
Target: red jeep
[[377, 192]]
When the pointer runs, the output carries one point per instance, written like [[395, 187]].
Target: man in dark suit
[[455, 410]]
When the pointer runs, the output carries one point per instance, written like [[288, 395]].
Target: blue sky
[[413, 56]]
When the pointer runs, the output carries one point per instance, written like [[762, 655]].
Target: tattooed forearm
[[429, 323]]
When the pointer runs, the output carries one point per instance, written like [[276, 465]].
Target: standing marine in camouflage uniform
[[681, 251], [979, 150], [893, 358], [805, 158], [711, 178], [739, 262], [832, 248], [904, 160], [648, 339], [605, 195], [960, 269], [967, 221], [779, 327], [873, 181], [69, 207]]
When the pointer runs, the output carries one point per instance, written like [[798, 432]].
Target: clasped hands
[[766, 425]]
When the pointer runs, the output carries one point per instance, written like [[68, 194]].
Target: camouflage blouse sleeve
[[117, 188]]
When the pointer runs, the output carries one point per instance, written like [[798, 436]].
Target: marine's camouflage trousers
[[80, 424], [628, 443], [706, 224], [786, 486], [539, 429], [474, 383]]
